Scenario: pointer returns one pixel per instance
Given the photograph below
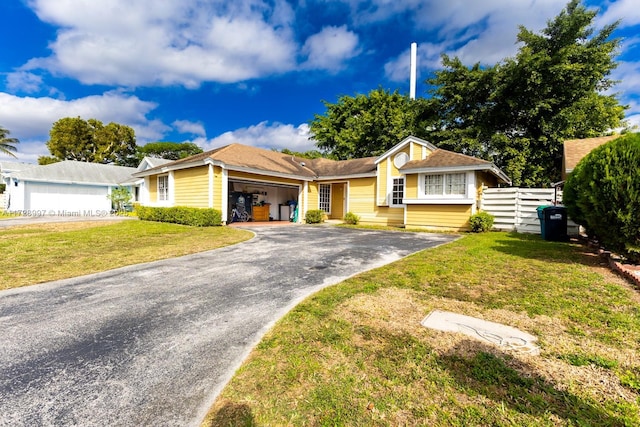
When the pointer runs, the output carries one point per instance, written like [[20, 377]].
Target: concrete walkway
[[154, 344]]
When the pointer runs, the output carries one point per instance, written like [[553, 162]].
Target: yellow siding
[[483, 179], [313, 198], [362, 204], [453, 217], [382, 183], [152, 185], [417, 152], [411, 186], [217, 187], [191, 187]]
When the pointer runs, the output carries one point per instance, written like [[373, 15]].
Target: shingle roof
[[442, 158], [258, 159], [273, 161], [575, 149], [261, 159], [70, 171], [327, 167]]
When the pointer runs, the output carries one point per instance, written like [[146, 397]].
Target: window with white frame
[[456, 183], [433, 185], [324, 191], [397, 192], [163, 188], [450, 184]]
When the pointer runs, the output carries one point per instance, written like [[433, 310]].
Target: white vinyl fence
[[515, 209]]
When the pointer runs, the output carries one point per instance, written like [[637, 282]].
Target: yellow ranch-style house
[[414, 184]]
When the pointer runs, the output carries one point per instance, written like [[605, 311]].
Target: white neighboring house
[[63, 188], [6, 168], [140, 191]]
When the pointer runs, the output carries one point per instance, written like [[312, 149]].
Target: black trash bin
[[553, 223]]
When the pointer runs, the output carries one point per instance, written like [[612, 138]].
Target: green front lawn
[[50, 251], [355, 354]]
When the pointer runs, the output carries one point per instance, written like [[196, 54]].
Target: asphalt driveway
[[155, 343]]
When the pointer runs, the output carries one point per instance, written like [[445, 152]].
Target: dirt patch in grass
[[399, 311], [356, 354]]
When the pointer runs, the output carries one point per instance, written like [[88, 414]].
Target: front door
[[337, 200]]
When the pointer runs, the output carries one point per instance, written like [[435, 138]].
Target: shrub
[[351, 218], [196, 217], [481, 222], [119, 196], [603, 195], [314, 216]]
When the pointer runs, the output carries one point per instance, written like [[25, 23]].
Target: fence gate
[[514, 208]]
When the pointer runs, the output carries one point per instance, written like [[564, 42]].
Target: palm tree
[[7, 145]]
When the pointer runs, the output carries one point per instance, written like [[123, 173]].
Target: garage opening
[[261, 201]]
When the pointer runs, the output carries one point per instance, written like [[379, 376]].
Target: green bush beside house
[[181, 215], [603, 195]]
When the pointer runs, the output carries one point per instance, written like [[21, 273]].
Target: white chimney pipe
[[413, 65]]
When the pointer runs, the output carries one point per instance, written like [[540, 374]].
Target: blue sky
[[215, 72]]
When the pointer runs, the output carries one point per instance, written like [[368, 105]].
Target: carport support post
[[225, 195]]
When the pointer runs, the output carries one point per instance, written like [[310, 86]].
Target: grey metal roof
[[7, 166], [70, 171]]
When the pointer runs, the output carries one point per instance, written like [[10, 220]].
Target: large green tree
[[73, 138], [367, 125], [519, 112], [168, 150], [7, 144]]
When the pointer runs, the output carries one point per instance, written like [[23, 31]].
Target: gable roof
[[152, 162], [444, 161], [73, 172], [575, 149], [399, 146]]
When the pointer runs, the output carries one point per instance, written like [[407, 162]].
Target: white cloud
[[482, 32], [628, 76], [371, 12], [264, 135], [30, 119], [22, 81], [330, 48], [187, 126], [625, 11], [128, 43]]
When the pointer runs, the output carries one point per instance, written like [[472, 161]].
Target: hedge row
[[603, 195], [181, 215]]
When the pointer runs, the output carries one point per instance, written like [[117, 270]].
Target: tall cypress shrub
[[603, 195]]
